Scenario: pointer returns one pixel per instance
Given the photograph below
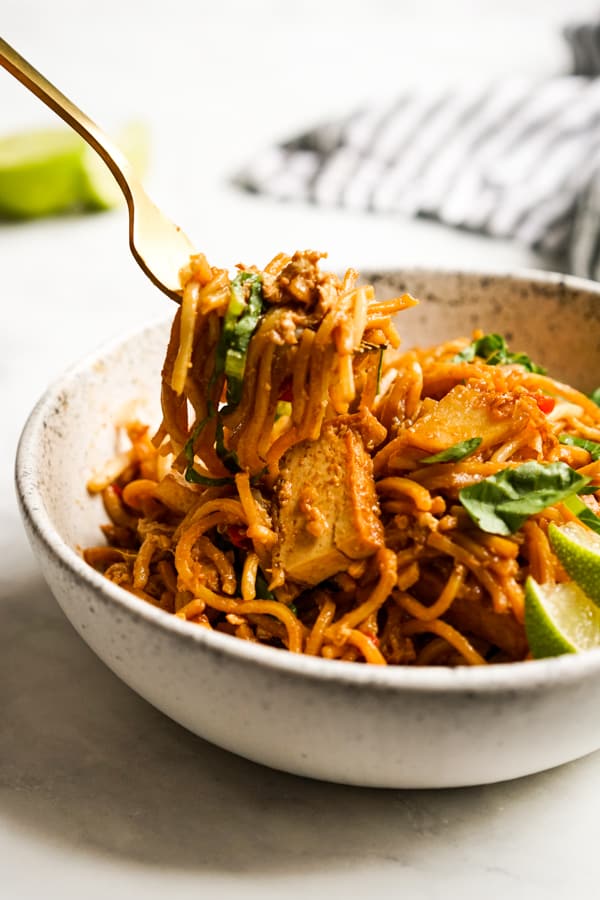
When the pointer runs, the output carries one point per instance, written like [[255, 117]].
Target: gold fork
[[160, 247]]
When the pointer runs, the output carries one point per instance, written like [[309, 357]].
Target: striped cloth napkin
[[517, 160]]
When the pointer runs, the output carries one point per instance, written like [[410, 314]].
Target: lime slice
[[52, 171], [99, 187], [578, 549], [559, 618], [40, 173]]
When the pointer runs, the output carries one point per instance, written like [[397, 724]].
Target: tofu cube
[[327, 511]]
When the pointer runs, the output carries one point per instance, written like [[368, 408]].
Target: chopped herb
[[284, 408], [239, 325], [379, 369], [256, 479], [494, 350], [293, 608], [583, 513], [189, 444], [595, 396], [262, 588], [590, 519], [241, 319], [571, 440], [483, 347], [369, 347], [501, 503], [196, 478], [228, 457], [455, 452]]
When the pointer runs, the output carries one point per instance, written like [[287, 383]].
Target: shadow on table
[[87, 763]]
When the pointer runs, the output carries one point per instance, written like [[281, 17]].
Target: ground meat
[[301, 281]]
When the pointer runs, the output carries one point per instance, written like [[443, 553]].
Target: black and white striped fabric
[[516, 160]]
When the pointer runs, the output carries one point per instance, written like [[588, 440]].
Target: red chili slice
[[545, 403], [237, 536]]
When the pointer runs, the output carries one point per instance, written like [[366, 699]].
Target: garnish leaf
[[379, 370], [228, 457], [189, 444], [494, 350], [262, 588], [240, 323], [592, 447], [370, 347], [195, 477], [590, 519], [284, 408], [584, 513], [483, 347], [595, 396], [501, 503], [455, 452]]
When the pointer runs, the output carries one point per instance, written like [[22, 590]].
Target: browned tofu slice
[[466, 412], [327, 509]]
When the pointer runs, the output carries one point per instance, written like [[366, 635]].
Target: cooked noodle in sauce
[[315, 488]]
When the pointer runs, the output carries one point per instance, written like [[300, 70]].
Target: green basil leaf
[[196, 478], [369, 347], [595, 396], [262, 588], [455, 452], [379, 370], [189, 444], [571, 440], [494, 350], [590, 519], [483, 347], [228, 457], [284, 408], [240, 323], [501, 503], [584, 513]]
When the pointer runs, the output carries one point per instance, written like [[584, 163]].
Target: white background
[[100, 795]]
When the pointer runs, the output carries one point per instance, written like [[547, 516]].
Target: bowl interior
[[555, 320], [76, 429], [552, 318]]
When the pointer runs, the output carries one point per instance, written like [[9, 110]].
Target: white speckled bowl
[[342, 722]]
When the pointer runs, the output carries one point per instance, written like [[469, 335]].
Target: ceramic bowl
[[344, 722]]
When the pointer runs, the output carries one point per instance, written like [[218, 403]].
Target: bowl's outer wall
[[367, 733]]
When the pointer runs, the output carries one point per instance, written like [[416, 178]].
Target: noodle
[[305, 487]]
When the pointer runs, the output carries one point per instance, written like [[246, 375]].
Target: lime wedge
[[52, 171], [99, 187], [559, 618], [40, 173], [578, 549]]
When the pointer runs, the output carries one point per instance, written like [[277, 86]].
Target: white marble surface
[[100, 795]]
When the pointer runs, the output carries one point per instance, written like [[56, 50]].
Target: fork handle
[[14, 63]]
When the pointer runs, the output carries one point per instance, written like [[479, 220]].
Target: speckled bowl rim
[[525, 676]]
